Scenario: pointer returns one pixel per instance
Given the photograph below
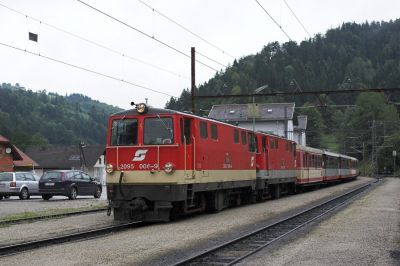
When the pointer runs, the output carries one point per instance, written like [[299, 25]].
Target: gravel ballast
[[367, 232], [165, 243]]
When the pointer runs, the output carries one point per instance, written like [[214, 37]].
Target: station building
[[274, 118]]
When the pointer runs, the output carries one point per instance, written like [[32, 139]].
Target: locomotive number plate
[[126, 166]]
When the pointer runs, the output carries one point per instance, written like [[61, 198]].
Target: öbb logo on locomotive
[[140, 155]]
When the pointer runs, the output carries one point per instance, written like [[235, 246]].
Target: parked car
[[22, 184], [69, 183]]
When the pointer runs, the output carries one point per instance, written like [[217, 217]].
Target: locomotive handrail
[[158, 157], [184, 155], [194, 157]]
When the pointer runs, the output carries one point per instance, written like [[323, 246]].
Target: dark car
[[69, 183]]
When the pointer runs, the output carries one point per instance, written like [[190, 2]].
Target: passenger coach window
[[214, 131], [236, 135], [158, 131], [203, 130], [124, 132]]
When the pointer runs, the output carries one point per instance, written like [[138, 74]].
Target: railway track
[[236, 250], [51, 216], [21, 247]]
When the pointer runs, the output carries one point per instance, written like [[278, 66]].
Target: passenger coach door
[[189, 143]]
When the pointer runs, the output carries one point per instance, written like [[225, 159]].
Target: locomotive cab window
[[124, 132], [158, 131]]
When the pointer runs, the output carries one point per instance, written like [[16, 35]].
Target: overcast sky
[[238, 27]]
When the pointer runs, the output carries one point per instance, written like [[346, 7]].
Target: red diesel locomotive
[[163, 163]]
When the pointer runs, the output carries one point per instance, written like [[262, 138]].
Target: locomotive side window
[[214, 131], [264, 144], [272, 143], [294, 149], [124, 132], [185, 130], [158, 130], [252, 143], [236, 135], [244, 139], [203, 130]]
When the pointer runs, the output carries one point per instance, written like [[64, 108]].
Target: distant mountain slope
[[360, 55], [30, 118]]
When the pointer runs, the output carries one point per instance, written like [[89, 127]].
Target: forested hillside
[[30, 118], [351, 56]]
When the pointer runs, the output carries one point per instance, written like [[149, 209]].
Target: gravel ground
[[54, 227], [165, 243], [365, 233], [14, 205]]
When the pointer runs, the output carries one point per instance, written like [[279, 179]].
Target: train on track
[[162, 164]]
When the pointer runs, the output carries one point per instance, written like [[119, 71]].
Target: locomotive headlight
[[169, 168], [141, 108], [109, 168]]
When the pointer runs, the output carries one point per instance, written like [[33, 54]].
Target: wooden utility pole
[[193, 78]]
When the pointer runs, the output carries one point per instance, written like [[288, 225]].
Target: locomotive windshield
[[158, 130], [124, 132]]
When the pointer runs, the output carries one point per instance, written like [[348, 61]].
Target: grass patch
[[44, 213]]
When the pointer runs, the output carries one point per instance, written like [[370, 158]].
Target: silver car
[[22, 184]]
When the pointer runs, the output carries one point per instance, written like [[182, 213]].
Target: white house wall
[[276, 127]]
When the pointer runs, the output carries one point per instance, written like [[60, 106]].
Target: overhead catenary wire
[[185, 28], [210, 59], [144, 33], [86, 69], [277, 24], [298, 20], [94, 43]]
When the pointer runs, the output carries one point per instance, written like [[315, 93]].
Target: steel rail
[[30, 245], [240, 248], [50, 216]]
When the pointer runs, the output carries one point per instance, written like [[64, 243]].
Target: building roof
[[65, 157], [246, 112], [20, 159], [25, 160], [3, 139]]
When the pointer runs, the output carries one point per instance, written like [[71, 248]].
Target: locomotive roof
[[151, 111], [159, 111]]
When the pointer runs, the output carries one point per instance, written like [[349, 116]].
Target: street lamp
[[256, 91]]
